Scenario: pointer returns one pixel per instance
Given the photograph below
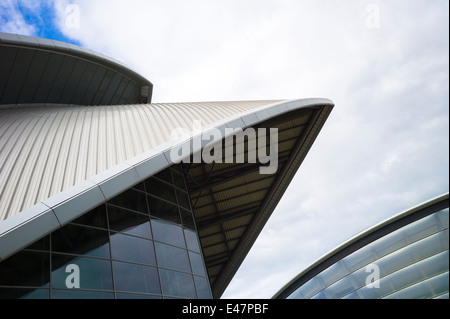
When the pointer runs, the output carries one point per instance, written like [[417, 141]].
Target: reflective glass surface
[[172, 257], [168, 233], [202, 285], [94, 273], [142, 244], [128, 222], [411, 262], [197, 264], [26, 268], [80, 240], [132, 249], [136, 278], [177, 284]]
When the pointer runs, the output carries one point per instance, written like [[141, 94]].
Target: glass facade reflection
[[409, 263], [140, 244]]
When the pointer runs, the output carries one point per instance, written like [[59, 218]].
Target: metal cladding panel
[[47, 149]]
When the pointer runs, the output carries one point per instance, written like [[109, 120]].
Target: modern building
[[95, 203], [405, 257]]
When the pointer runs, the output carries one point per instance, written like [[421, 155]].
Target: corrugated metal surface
[[47, 149]]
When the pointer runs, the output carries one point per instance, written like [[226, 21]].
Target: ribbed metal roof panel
[[45, 150]]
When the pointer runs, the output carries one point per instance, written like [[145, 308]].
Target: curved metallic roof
[[58, 162], [37, 70], [390, 225]]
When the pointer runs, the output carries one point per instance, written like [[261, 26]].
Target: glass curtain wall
[[411, 262], [141, 244]]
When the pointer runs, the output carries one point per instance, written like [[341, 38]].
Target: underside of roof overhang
[[232, 202], [37, 70]]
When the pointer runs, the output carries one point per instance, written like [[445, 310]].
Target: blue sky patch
[[38, 19]]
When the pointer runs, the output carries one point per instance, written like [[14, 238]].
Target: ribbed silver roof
[[45, 150]]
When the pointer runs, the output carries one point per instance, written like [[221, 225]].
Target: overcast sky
[[385, 65]]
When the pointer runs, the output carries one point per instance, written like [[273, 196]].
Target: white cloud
[[12, 19]]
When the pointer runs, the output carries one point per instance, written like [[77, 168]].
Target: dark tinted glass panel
[[140, 186], [183, 199], [202, 286], [129, 248], [137, 278], [177, 167], [192, 240], [197, 264], [177, 284], [26, 269], [131, 199], [178, 180], [80, 294], [24, 293], [165, 210], [160, 189], [124, 231], [165, 175], [172, 257], [81, 240], [187, 219], [168, 233], [42, 244], [96, 218], [129, 222], [122, 295], [92, 273]]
